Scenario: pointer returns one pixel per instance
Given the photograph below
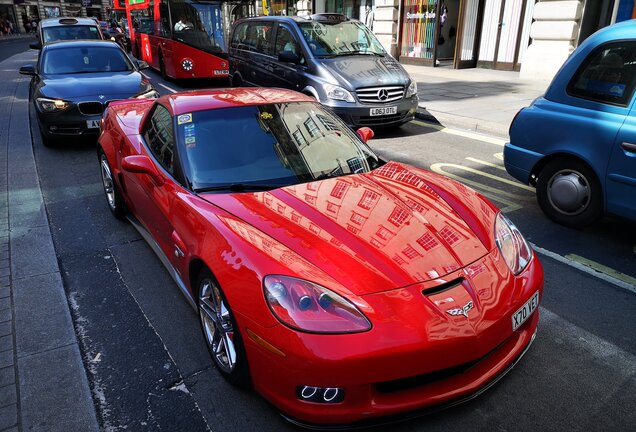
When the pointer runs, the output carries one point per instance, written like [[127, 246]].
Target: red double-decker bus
[[184, 38], [118, 12]]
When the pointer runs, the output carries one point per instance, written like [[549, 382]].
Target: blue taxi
[[577, 143]]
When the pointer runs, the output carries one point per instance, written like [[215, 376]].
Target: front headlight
[[338, 93], [187, 65], [150, 94], [513, 247], [411, 90], [306, 306], [51, 105]]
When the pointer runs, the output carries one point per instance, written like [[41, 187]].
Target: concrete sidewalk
[[481, 100], [43, 383]]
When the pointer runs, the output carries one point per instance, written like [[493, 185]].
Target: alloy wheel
[[217, 325], [107, 181]]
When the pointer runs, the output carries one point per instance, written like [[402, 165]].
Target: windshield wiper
[[238, 187]]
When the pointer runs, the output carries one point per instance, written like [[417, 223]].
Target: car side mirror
[[288, 57], [27, 70], [142, 165], [142, 65], [35, 45], [365, 133]]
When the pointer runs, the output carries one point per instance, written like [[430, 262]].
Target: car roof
[[65, 21], [619, 31], [80, 43], [200, 100], [321, 18]]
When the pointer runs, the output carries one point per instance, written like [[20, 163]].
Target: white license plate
[[383, 111], [221, 72], [92, 124], [526, 310]]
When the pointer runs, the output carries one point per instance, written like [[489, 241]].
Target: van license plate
[[92, 124], [383, 111], [526, 310]]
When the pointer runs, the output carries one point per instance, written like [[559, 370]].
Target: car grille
[[375, 95], [402, 384], [90, 108]]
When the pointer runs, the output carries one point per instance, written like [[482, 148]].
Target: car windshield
[[269, 146], [198, 24], [71, 32], [85, 59], [340, 39]]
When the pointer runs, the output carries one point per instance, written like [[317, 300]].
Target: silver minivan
[[336, 60]]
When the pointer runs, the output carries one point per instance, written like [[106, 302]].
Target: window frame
[[301, 51], [570, 90], [177, 170]]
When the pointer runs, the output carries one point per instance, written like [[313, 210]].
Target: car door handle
[[629, 147]]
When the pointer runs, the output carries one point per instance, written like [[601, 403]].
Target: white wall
[[553, 35]]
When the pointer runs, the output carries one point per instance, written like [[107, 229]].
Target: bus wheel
[[162, 68]]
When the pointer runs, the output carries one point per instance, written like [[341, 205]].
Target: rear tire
[[569, 193], [220, 331]]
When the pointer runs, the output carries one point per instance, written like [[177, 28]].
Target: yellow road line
[[465, 134], [491, 165], [439, 168], [602, 269]]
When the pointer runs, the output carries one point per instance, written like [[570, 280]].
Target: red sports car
[[344, 288]]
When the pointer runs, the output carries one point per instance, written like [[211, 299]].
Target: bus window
[[198, 24]]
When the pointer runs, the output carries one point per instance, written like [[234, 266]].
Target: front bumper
[[67, 123], [358, 114], [412, 361]]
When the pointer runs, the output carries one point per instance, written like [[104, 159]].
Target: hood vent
[[443, 287]]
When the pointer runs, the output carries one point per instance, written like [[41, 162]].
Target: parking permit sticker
[[190, 136], [266, 116], [184, 118]]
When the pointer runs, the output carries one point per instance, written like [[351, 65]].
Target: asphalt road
[[149, 368]]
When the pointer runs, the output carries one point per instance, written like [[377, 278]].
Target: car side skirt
[[163, 258]]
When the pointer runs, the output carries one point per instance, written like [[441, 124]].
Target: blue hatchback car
[[577, 143]]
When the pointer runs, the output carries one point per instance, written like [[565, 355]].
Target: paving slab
[[52, 397]]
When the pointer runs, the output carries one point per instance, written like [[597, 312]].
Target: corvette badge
[[461, 311]]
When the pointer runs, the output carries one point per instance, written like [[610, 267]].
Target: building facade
[[531, 36], [22, 13]]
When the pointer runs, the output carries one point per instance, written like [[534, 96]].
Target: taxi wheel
[[220, 331], [113, 197], [569, 193]]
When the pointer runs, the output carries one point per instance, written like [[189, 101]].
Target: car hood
[[366, 71], [111, 85], [369, 232]]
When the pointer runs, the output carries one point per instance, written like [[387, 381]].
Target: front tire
[[569, 193], [220, 331], [113, 197]]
